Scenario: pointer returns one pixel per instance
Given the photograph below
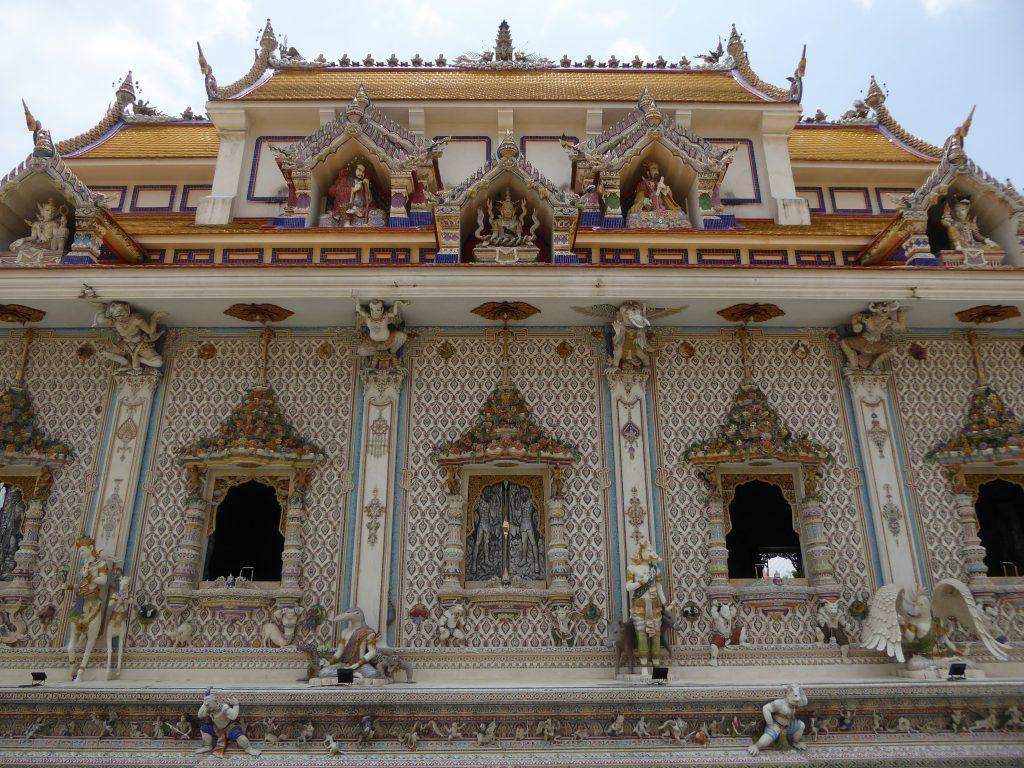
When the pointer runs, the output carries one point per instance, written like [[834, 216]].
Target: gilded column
[[382, 389]]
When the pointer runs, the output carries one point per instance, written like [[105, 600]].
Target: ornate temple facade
[[524, 381]]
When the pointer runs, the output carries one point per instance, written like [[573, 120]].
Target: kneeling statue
[[780, 717]]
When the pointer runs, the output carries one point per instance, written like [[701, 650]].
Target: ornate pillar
[[820, 569], [971, 550], [632, 458], [134, 392], [401, 188], [382, 389], [27, 555], [887, 498], [291, 554], [718, 553], [559, 570], [454, 552], [185, 575], [612, 199]]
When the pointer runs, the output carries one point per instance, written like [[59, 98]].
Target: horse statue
[[92, 589]]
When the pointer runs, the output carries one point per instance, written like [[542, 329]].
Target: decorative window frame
[[35, 482]]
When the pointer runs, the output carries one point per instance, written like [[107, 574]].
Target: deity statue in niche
[[965, 238], [501, 231], [12, 513], [505, 543], [46, 240], [352, 200], [654, 205]]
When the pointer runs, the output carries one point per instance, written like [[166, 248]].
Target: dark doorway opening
[[762, 535], [1000, 509], [246, 535]]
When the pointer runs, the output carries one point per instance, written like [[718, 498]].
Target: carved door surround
[[797, 481], [465, 485]]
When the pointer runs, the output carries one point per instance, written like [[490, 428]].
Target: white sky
[[938, 57]]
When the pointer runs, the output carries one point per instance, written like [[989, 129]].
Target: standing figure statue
[[831, 626], [726, 631], [874, 338], [646, 603], [521, 516], [384, 336], [49, 233], [134, 345], [222, 727], [780, 717], [86, 623]]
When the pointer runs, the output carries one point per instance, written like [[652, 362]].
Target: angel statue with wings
[[903, 621], [630, 330]]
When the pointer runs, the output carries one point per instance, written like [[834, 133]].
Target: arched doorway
[[762, 535], [246, 535], [1000, 510]]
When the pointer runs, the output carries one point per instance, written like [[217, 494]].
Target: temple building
[[506, 410]]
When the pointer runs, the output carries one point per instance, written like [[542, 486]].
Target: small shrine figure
[[780, 717], [874, 336], [830, 625], [646, 603], [451, 626], [49, 233], [352, 200], [222, 727], [384, 336], [965, 238], [134, 346], [357, 647], [501, 231], [654, 205], [726, 631]]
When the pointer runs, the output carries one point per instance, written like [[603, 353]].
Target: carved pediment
[[550, 213], [402, 166], [991, 432], [255, 432], [22, 442], [606, 169], [46, 210]]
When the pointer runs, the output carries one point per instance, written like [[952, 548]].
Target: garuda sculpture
[[133, 348], [630, 326], [874, 335], [383, 332], [901, 621]]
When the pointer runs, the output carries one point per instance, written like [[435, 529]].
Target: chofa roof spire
[[503, 50], [42, 144]]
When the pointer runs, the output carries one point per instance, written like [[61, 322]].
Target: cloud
[[626, 48], [939, 7]]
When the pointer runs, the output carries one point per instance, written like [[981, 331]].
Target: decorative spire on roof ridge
[[796, 82], [741, 64], [503, 50], [261, 61], [504, 55], [649, 107], [268, 40], [953, 149], [42, 143], [875, 101]]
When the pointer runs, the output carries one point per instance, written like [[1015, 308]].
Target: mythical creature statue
[[383, 332], [630, 328], [280, 630], [117, 627], [357, 647], [726, 631], [780, 716], [831, 625], [451, 626], [49, 233], [352, 200], [134, 347], [85, 624], [903, 621], [654, 205], [563, 626], [874, 335], [859, 111], [646, 603], [962, 228], [223, 727]]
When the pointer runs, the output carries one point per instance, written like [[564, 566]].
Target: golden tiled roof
[[476, 85], [171, 140], [820, 227], [848, 143]]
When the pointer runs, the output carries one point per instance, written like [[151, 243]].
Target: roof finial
[[649, 107], [796, 82], [268, 41], [954, 146], [735, 46], [503, 50], [875, 96], [207, 70], [125, 93], [362, 98], [41, 141]]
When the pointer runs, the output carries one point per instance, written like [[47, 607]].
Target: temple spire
[[503, 50]]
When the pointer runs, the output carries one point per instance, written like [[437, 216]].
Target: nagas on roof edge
[[260, 64]]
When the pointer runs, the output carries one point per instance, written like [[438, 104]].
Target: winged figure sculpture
[[904, 621], [630, 324]]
